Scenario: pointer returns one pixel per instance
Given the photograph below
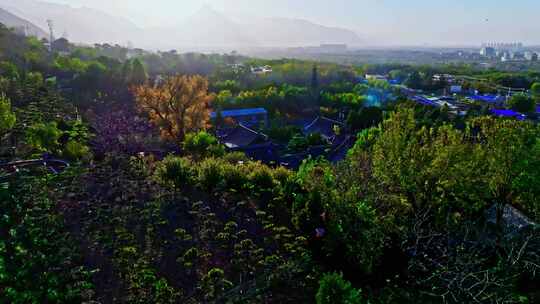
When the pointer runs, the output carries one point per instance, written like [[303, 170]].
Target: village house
[[253, 117]]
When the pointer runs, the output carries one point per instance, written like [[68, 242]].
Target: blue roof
[[424, 101], [508, 113], [240, 112], [538, 109], [486, 98]]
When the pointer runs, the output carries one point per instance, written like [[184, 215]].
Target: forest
[[116, 188]]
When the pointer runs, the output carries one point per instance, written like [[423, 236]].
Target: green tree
[[223, 98], [202, 144], [7, 117], [127, 70], [314, 79], [511, 154], [361, 89], [227, 85], [138, 73], [365, 118], [535, 90], [428, 166], [44, 137], [333, 289], [214, 284], [522, 103], [176, 171], [414, 81]]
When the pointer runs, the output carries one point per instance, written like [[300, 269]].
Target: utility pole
[[51, 33]]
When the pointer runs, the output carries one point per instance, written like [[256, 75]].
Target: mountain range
[[207, 28], [12, 21], [83, 25]]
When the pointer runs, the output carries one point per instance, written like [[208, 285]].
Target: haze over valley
[[206, 28]]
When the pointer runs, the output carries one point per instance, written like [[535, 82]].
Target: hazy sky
[[415, 22]]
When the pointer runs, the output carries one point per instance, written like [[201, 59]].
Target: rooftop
[[508, 113], [486, 98], [242, 136], [240, 112]]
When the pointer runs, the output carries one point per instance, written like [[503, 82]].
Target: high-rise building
[[531, 56], [488, 51]]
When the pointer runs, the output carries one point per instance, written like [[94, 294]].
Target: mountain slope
[[298, 32], [205, 29], [12, 21], [211, 28], [80, 24]]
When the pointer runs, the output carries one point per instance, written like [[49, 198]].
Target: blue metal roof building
[[240, 112], [423, 100], [249, 117], [487, 98], [508, 113]]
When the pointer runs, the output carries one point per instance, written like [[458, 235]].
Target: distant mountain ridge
[[12, 21], [298, 32], [206, 28], [85, 25]]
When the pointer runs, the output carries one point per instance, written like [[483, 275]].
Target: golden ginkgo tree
[[177, 106]]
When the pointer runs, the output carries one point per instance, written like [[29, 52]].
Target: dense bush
[[39, 260], [210, 174], [522, 103], [348, 229], [44, 137], [235, 177], [7, 117], [260, 177], [317, 190], [64, 139], [235, 157], [333, 289], [202, 144], [74, 150], [176, 171], [228, 173], [355, 233]]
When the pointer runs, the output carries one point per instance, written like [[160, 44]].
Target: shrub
[[214, 284], [235, 157], [201, 145], [74, 150], [235, 177], [7, 117], [177, 171], [283, 134], [261, 177], [211, 173], [317, 189], [365, 140], [522, 103], [333, 289], [355, 234], [281, 175], [44, 137]]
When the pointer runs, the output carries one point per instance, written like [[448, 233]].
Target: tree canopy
[[179, 105]]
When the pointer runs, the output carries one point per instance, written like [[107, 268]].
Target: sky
[[388, 22]]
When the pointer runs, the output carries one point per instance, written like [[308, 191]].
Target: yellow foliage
[[179, 105]]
